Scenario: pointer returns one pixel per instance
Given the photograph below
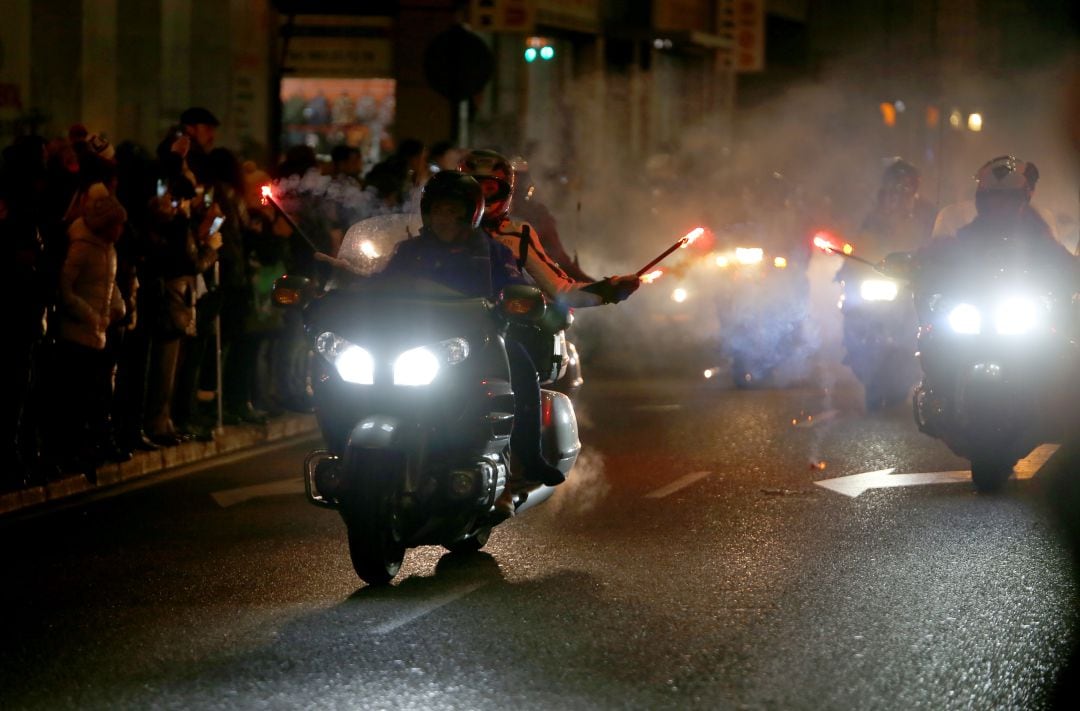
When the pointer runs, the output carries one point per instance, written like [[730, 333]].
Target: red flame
[[690, 237], [652, 276], [823, 241], [267, 194]]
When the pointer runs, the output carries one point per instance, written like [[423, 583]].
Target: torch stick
[[829, 248], [681, 242], [268, 196]]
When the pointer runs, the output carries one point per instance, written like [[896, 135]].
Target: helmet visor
[[493, 189]]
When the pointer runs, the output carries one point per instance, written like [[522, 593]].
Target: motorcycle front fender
[[379, 432]]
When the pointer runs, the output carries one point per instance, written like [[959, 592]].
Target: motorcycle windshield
[[369, 244]]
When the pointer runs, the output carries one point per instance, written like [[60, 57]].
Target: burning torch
[[823, 241], [684, 241], [268, 199]]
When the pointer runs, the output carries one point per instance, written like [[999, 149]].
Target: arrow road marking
[[232, 497], [680, 483], [427, 608], [856, 484]]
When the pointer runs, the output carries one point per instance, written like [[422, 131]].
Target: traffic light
[[539, 48]]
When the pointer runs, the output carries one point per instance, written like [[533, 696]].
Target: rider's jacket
[[522, 241], [478, 267], [1025, 243]]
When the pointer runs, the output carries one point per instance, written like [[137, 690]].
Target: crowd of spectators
[[138, 275]]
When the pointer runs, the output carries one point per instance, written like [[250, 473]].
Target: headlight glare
[[878, 290], [353, 363], [749, 255], [417, 366], [965, 319], [1015, 316]]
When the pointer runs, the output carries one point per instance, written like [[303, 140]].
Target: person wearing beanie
[[89, 301]]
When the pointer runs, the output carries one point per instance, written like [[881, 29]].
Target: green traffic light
[[530, 54], [547, 52]]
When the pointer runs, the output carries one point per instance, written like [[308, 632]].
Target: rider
[[531, 210], [497, 179], [451, 250], [900, 221], [1005, 222]]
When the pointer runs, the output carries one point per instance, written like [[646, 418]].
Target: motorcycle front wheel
[[374, 529], [990, 472]]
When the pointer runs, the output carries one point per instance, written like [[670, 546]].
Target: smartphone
[[161, 189], [208, 197], [216, 224]]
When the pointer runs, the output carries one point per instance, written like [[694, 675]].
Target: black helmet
[[900, 173], [485, 165], [455, 187]]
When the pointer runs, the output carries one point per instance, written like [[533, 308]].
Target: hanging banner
[[503, 15], [743, 23]]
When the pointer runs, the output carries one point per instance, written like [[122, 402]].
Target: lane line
[[656, 408], [427, 608], [232, 497], [680, 483]]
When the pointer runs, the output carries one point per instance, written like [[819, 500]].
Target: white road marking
[[232, 497], [657, 408], [856, 484], [680, 483], [426, 608], [1030, 465], [818, 419]]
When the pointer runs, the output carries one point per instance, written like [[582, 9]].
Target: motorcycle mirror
[[522, 304], [291, 290]]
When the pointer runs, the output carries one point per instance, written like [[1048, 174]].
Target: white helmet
[[1006, 173]]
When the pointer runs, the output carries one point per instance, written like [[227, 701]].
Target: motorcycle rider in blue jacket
[[453, 251]]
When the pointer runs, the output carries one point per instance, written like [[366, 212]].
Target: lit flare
[[652, 276]]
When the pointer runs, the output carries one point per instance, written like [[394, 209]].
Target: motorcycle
[[763, 307], [999, 355], [412, 392], [880, 328]]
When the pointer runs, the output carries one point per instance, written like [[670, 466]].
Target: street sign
[[458, 63]]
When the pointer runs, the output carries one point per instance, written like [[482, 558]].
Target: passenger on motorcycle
[[451, 250], [497, 179]]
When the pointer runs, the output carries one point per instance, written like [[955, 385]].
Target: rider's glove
[[612, 290]]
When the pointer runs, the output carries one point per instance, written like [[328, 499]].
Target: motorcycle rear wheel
[[472, 544]]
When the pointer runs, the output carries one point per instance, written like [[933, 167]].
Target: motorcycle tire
[[990, 472], [472, 544], [374, 532]]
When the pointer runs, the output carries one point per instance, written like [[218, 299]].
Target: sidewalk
[[231, 439]]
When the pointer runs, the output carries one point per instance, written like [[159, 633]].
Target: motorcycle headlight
[[966, 319], [1015, 316], [749, 255], [878, 290], [419, 366], [353, 363]]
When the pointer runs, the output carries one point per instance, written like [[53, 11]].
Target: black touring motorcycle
[[413, 397], [999, 353]]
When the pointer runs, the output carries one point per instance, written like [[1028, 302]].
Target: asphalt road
[[692, 563]]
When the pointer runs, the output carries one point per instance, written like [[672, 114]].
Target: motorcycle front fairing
[[459, 422], [995, 376]]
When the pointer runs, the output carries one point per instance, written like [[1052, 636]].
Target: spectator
[[90, 302]]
